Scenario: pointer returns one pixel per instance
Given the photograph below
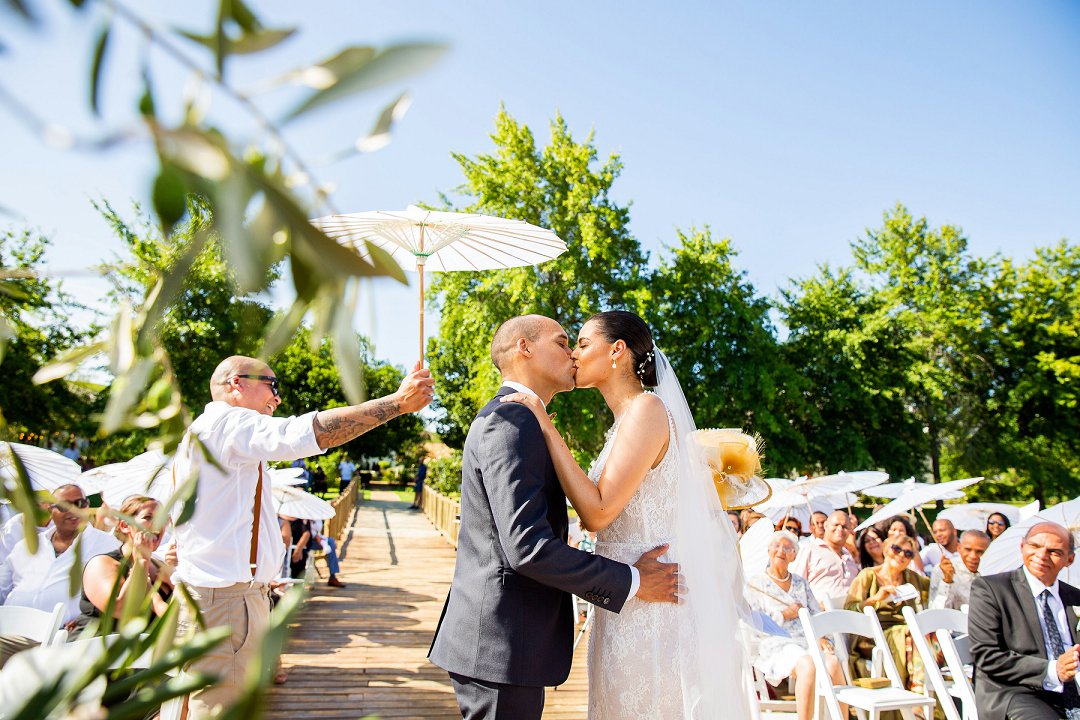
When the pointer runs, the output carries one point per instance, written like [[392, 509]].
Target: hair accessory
[[643, 363]]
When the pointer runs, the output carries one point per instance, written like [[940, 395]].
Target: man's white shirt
[[1051, 682], [42, 579], [214, 546], [635, 576]]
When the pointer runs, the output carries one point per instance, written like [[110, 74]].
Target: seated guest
[[946, 544], [826, 563], [736, 522], [870, 548], [1021, 625], [780, 593], [41, 580], [131, 561], [301, 533], [792, 525], [329, 547], [874, 587], [11, 532], [996, 524], [897, 526], [950, 583], [749, 516]]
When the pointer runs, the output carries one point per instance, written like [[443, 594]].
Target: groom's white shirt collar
[[523, 388]]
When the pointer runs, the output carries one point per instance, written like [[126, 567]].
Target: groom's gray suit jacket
[[509, 618]]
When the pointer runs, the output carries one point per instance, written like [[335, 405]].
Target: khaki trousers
[[245, 607]]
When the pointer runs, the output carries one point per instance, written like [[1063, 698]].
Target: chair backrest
[[28, 622], [888, 664], [943, 623]]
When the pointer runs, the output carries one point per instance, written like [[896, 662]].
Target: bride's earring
[[613, 366]]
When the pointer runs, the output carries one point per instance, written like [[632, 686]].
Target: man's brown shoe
[[334, 582]]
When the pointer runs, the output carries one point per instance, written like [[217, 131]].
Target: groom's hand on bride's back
[[659, 580]]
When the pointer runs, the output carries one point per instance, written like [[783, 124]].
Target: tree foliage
[[562, 186]]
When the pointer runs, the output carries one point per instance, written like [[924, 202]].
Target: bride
[[648, 488]]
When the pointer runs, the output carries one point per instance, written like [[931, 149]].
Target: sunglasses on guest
[[81, 503], [901, 551], [273, 381], [995, 522]]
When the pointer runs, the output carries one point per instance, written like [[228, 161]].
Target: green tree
[[722, 344], [34, 327], [562, 186], [1028, 427], [935, 289], [211, 318], [853, 361], [310, 381]]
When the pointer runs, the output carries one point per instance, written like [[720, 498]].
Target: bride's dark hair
[[632, 330]]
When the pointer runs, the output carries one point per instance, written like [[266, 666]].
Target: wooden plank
[[362, 650]]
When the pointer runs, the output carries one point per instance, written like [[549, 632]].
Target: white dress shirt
[[11, 532], [42, 579], [951, 595], [214, 546], [635, 575], [1051, 681]]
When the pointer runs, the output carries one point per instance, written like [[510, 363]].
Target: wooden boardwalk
[[362, 650]]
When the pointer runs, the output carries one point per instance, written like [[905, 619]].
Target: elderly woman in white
[[780, 594]]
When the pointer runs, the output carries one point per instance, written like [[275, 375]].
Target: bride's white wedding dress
[[634, 655], [661, 660]]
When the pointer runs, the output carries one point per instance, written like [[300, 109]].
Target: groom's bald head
[[522, 327]]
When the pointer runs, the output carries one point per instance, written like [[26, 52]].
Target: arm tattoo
[[340, 425]]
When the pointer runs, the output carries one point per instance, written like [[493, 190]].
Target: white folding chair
[[864, 700], [28, 622], [943, 622], [764, 707]]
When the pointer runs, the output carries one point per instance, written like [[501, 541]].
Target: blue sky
[[789, 127]]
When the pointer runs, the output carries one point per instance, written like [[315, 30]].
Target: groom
[[507, 627]]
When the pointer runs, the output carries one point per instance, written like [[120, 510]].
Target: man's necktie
[[1056, 648]]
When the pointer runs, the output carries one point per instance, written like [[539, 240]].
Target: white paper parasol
[[973, 516], [443, 241], [46, 469], [297, 503], [280, 477], [147, 474], [917, 496], [895, 490], [1003, 554], [754, 547]]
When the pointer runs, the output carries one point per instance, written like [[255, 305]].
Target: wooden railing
[[443, 512], [343, 507]]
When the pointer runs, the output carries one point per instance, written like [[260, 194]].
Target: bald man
[[1023, 633], [826, 564], [230, 550]]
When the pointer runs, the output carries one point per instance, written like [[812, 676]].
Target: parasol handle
[[420, 260]]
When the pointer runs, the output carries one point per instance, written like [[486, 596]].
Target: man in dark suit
[[507, 628], [1022, 626]]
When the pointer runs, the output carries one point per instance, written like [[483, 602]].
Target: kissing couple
[[665, 575]]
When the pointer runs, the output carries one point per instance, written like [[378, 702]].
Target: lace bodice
[[649, 517]]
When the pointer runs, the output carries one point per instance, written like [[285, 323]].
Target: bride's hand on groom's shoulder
[[530, 401]]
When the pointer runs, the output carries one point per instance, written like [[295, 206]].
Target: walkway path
[[362, 650]]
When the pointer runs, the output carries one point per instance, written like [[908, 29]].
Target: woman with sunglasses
[[780, 593], [131, 562], [996, 524], [875, 587], [899, 526]]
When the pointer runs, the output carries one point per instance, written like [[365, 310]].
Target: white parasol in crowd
[[754, 547], [918, 495], [47, 470], [895, 490], [973, 516], [280, 477], [294, 502], [1003, 554], [443, 241], [825, 493], [149, 473]]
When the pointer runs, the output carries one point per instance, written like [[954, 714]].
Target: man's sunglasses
[[273, 381], [901, 551], [81, 503]]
